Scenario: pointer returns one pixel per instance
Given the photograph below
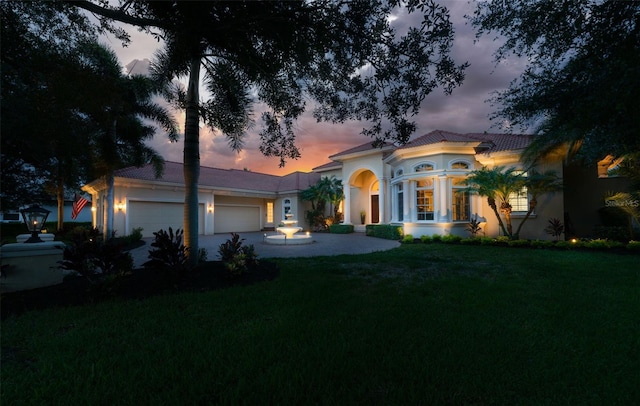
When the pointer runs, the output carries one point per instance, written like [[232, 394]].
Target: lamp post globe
[[34, 218]]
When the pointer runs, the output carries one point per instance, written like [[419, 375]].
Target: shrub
[[103, 264], [615, 233], [407, 239], [386, 231], [426, 239], [565, 245], [136, 234], [555, 228], [237, 259], [542, 244], [470, 241], [170, 257], [598, 244], [341, 228], [519, 243], [487, 241], [203, 254], [502, 240], [633, 246], [474, 227], [451, 239], [436, 238]]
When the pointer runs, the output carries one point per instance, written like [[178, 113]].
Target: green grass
[[421, 324]]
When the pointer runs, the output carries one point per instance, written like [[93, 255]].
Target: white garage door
[[230, 219], [153, 216]]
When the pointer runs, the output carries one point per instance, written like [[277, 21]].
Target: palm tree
[[538, 184], [335, 195], [118, 109], [497, 185]]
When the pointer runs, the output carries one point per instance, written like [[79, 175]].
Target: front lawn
[[421, 324]]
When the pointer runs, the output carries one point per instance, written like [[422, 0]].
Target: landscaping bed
[[139, 284]]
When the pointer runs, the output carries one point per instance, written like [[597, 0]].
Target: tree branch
[[117, 14]]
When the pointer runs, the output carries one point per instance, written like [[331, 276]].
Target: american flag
[[78, 204]]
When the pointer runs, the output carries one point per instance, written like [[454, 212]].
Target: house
[[229, 200], [417, 186]]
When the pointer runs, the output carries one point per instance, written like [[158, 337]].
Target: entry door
[[375, 209]]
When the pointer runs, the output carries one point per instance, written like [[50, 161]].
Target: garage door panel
[[153, 216], [229, 219]]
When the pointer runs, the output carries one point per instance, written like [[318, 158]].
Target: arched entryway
[[363, 199]]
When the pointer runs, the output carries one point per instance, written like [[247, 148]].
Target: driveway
[[323, 244]]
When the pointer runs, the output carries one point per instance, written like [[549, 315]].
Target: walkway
[[324, 244]]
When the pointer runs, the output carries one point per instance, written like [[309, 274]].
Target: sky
[[465, 110]]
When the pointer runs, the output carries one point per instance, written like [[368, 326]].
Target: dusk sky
[[466, 110]]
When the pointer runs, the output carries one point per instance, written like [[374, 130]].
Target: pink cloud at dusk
[[465, 110]]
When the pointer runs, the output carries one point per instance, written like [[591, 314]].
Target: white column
[[443, 190], [347, 204], [408, 201], [382, 195]]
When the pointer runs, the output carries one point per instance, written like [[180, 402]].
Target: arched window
[[459, 165], [423, 167], [399, 172]]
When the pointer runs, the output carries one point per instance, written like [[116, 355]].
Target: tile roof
[[225, 178], [494, 142], [328, 165], [360, 148]]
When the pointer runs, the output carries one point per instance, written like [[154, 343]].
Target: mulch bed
[[140, 284]]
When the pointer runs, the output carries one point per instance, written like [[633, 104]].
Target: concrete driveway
[[323, 244]]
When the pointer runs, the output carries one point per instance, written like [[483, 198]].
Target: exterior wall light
[[34, 218]]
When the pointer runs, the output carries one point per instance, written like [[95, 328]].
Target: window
[[423, 168], [424, 199], [269, 212], [459, 165], [460, 201], [399, 202], [286, 208], [519, 200]]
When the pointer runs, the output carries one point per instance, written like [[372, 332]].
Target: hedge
[[386, 231], [341, 228]]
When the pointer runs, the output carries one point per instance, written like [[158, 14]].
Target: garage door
[[236, 219], [153, 216]]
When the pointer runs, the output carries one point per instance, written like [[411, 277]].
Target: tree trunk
[[109, 203], [492, 204], [191, 166], [505, 208], [532, 205], [60, 199], [107, 231]]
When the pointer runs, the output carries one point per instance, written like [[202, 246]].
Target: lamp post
[[34, 218]]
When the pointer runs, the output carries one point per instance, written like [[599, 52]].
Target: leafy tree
[[118, 109], [344, 56], [83, 116], [43, 136], [581, 86]]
